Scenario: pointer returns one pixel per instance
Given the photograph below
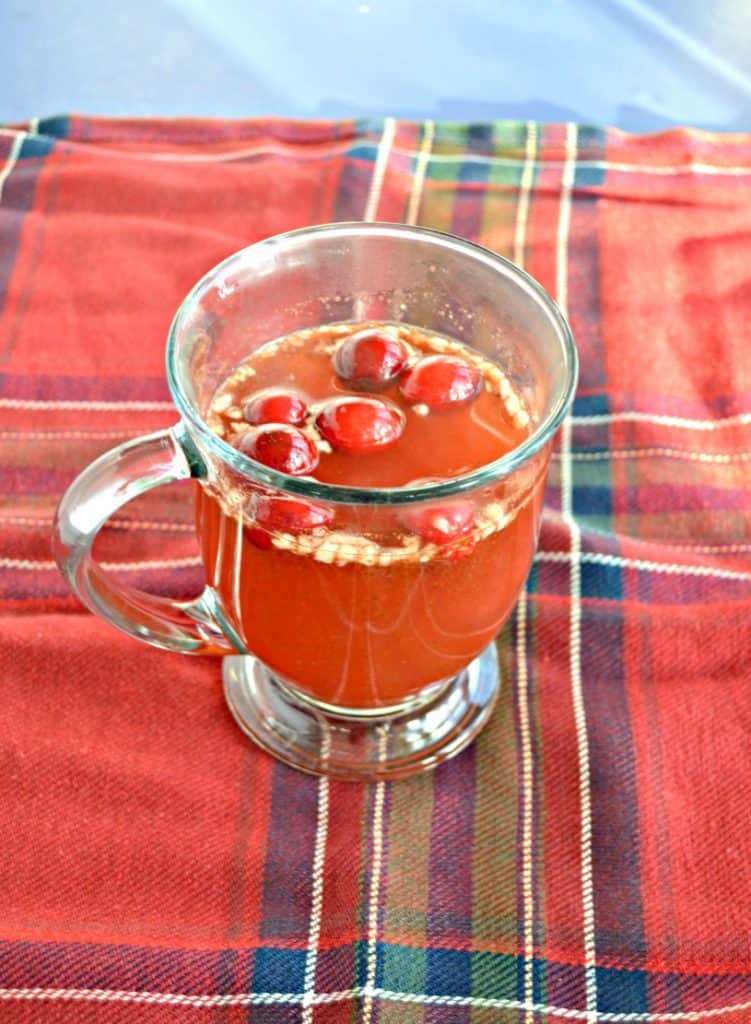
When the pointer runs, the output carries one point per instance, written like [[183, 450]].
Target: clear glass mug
[[360, 657]]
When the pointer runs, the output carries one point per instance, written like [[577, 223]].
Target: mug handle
[[125, 472]]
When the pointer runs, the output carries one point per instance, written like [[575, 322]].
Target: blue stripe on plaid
[[584, 261], [448, 973], [592, 484], [615, 813], [279, 970], [591, 501], [621, 991], [517, 966], [450, 881], [36, 147], [603, 581], [58, 127], [19, 194], [287, 882], [18, 199], [357, 173], [592, 148], [364, 887], [591, 405], [451, 862], [352, 193], [539, 973], [466, 217]]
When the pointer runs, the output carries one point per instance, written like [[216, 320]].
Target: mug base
[[343, 743]]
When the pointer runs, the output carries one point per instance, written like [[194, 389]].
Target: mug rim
[[339, 493]]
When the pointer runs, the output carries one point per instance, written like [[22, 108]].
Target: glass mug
[[357, 667]]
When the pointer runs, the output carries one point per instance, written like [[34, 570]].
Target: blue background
[[639, 64]]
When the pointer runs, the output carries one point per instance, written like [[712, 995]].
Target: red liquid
[[347, 631]]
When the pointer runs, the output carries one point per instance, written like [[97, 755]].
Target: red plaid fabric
[[587, 859]]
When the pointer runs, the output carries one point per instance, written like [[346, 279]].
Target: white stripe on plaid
[[742, 419], [114, 523], [681, 422], [525, 186], [616, 453], [577, 697], [667, 170], [10, 163], [316, 907], [379, 170], [371, 208], [527, 797], [301, 152], [668, 568], [26, 564], [83, 405], [707, 549], [64, 435], [644, 565], [717, 458], [190, 562], [522, 675], [203, 1002], [375, 882], [421, 167]]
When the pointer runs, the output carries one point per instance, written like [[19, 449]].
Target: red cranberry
[[281, 447], [275, 405], [287, 514], [370, 359], [260, 538], [360, 424], [440, 382], [441, 524]]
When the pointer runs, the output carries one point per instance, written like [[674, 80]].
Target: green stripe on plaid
[[504, 183], [495, 852]]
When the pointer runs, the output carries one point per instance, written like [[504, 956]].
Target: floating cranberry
[[440, 382], [441, 524], [287, 514], [370, 359], [281, 447], [360, 424], [276, 405], [260, 538]]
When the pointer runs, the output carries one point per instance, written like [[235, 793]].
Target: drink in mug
[[368, 412], [362, 607]]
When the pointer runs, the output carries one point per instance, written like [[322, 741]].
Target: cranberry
[[275, 405], [370, 359], [440, 382], [360, 424], [281, 447], [288, 514], [441, 524], [260, 538]]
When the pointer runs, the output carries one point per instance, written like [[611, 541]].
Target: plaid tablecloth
[[588, 859]]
